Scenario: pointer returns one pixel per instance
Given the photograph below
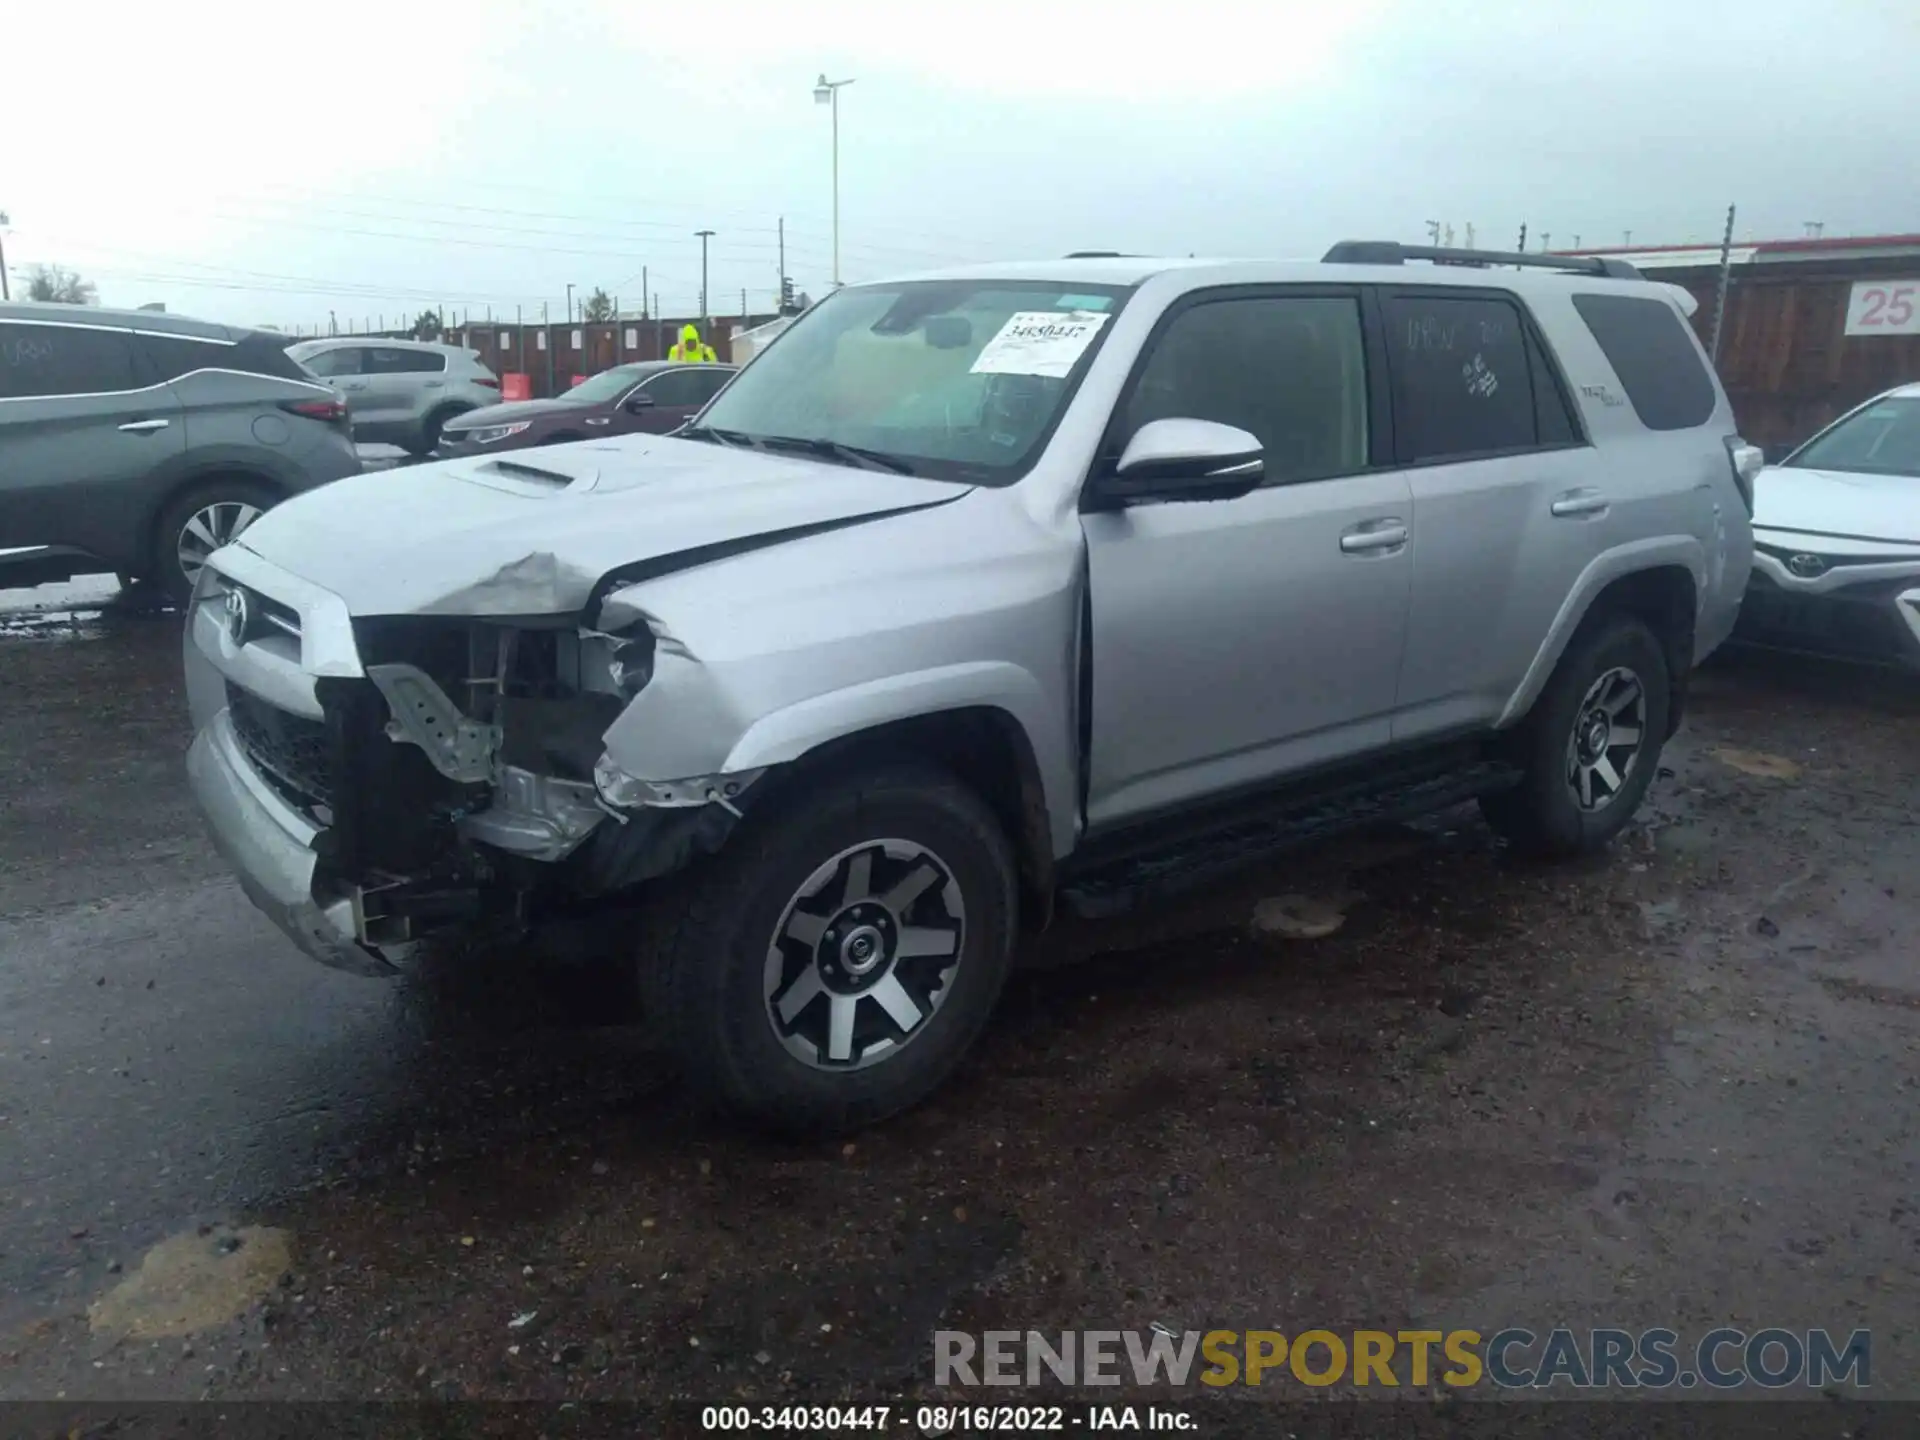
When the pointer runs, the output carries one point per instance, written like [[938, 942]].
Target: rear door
[[83, 433], [402, 383], [1509, 504], [344, 368]]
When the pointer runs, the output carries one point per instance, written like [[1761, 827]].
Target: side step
[[1195, 860]]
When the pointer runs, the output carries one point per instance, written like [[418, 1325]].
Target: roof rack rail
[[1095, 255], [1392, 252]]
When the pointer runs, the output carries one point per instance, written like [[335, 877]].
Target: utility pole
[[6, 294], [1523, 238], [569, 305], [1546, 240], [1720, 288], [1433, 231], [779, 304], [646, 308], [546, 333], [827, 92], [705, 235]]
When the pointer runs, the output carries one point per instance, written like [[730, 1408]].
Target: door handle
[[433, 384], [143, 427], [353, 387], [1581, 502], [1373, 537]]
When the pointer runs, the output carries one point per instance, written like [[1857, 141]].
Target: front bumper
[[1871, 621], [270, 847]]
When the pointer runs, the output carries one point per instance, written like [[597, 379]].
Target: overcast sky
[[266, 164]]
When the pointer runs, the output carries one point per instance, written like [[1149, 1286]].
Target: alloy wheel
[[207, 529], [864, 954], [1609, 736]]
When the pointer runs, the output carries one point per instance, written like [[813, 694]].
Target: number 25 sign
[[1884, 307]]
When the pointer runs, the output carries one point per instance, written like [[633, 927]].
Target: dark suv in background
[[137, 443]]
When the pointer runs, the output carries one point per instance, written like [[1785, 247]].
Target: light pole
[[5, 294], [569, 304], [827, 92], [705, 235]]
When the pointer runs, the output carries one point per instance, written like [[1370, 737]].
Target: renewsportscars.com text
[[1603, 1358]]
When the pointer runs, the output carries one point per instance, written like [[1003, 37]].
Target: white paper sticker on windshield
[[1039, 342]]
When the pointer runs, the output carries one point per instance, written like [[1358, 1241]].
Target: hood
[[512, 410], [531, 533], [1838, 502]]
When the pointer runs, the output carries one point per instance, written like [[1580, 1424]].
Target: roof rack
[[1096, 255], [1392, 252]]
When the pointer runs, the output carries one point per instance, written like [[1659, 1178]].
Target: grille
[[1859, 623], [289, 751]]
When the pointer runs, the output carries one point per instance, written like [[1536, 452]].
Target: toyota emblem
[[1807, 566], [237, 616]]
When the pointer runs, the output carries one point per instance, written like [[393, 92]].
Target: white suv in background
[[400, 392]]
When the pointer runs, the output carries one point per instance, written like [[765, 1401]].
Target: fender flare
[[1658, 552], [793, 731]]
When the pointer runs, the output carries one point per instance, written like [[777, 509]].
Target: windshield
[[958, 379], [1883, 439], [607, 385]]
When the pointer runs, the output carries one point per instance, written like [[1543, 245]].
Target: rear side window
[[343, 360], [1462, 377], [1650, 349], [262, 354], [388, 360], [64, 360], [1552, 411], [169, 357]]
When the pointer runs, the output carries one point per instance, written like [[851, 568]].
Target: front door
[[677, 396], [1236, 641], [81, 433]]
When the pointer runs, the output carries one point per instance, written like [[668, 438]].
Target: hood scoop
[[517, 477]]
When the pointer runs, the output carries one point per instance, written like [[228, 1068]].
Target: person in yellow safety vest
[[691, 349]]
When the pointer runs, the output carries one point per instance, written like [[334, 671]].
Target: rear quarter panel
[[1673, 498]]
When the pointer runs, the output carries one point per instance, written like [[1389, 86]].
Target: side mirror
[[1185, 460], [640, 400]]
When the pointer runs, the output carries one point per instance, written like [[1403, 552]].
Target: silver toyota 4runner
[[977, 592]]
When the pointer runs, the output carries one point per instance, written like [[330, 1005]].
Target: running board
[[1120, 886]]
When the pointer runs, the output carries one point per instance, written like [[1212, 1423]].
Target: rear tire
[[832, 964], [196, 523], [1591, 744]]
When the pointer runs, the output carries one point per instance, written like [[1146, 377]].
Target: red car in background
[[649, 398]]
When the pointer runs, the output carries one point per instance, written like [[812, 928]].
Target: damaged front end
[[376, 781]]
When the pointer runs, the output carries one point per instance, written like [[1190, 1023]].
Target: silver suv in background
[[401, 392], [976, 593], [138, 443]]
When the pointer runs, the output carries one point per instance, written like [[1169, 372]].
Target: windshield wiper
[[719, 437], [836, 450]]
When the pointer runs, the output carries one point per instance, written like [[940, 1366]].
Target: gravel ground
[[1672, 1086]]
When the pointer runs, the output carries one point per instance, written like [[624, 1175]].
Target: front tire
[[1591, 744], [430, 429], [834, 963], [195, 524]]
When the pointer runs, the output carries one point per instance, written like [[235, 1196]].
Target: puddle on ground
[[192, 1282]]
